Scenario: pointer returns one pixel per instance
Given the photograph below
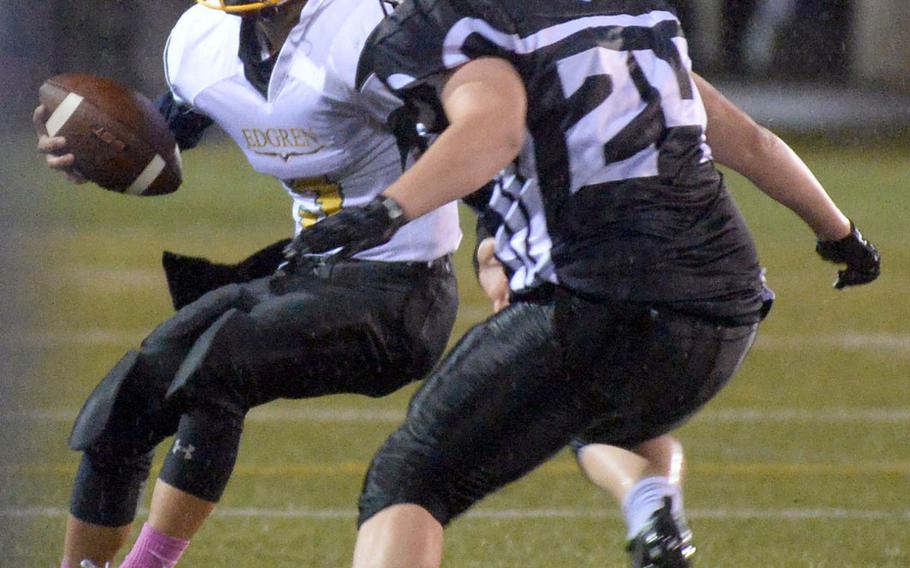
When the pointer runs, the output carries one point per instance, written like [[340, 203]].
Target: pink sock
[[155, 550], [63, 564]]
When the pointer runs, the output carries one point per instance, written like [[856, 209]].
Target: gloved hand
[[355, 229], [861, 257]]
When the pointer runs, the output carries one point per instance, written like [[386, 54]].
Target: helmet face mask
[[241, 7]]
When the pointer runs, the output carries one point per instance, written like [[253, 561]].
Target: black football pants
[[351, 327], [520, 386]]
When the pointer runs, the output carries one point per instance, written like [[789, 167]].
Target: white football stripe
[[147, 177], [178, 157], [63, 112]]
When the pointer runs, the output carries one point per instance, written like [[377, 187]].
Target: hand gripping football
[[118, 137]]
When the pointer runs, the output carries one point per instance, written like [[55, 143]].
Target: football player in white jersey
[[635, 286], [278, 77]]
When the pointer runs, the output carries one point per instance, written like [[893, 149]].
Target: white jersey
[[324, 139]]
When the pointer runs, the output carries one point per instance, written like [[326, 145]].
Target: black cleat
[[664, 542]]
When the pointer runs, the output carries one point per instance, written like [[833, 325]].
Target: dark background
[[835, 42]]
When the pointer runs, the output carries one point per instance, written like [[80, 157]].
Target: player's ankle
[[646, 497], [154, 549]]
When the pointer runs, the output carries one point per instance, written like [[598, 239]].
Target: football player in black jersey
[[636, 291], [640, 481]]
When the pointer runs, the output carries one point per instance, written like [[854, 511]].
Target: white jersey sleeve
[[310, 126], [200, 27]]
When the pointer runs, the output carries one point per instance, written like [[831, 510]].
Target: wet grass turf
[[802, 461]]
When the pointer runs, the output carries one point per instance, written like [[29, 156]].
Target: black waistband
[[356, 273], [546, 293], [325, 266], [540, 294]]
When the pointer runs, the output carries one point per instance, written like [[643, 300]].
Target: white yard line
[[849, 341], [829, 514], [378, 415], [846, 341], [88, 337]]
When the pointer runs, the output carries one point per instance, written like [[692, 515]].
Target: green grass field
[[803, 461]]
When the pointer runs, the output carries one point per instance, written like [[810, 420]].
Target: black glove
[[861, 257], [355, 229]]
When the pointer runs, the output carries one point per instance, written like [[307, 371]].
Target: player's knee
[[401, 474], [108, 486], [125, 409]]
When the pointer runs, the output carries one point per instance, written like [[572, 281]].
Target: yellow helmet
[[240, 6]]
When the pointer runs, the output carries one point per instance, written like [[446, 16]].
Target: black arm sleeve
[[186, 124], [488, 221]]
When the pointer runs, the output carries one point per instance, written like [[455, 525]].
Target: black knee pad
[[129, 403], [395, 478], [118, 428], [467, 427], [107, 487], [207, 377], [95, 418], [126, 408]]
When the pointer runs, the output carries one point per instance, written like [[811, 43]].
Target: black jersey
[[615, 195]]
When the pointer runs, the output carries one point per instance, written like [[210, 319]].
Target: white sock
[[646, 497]]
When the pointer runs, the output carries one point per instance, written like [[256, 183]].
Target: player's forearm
[[462, 159], [485, 104], [781, 174], [766, 160]]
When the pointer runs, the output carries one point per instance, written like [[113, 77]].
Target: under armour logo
[[187, 450]]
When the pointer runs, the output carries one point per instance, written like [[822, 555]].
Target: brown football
[[118, 137]]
